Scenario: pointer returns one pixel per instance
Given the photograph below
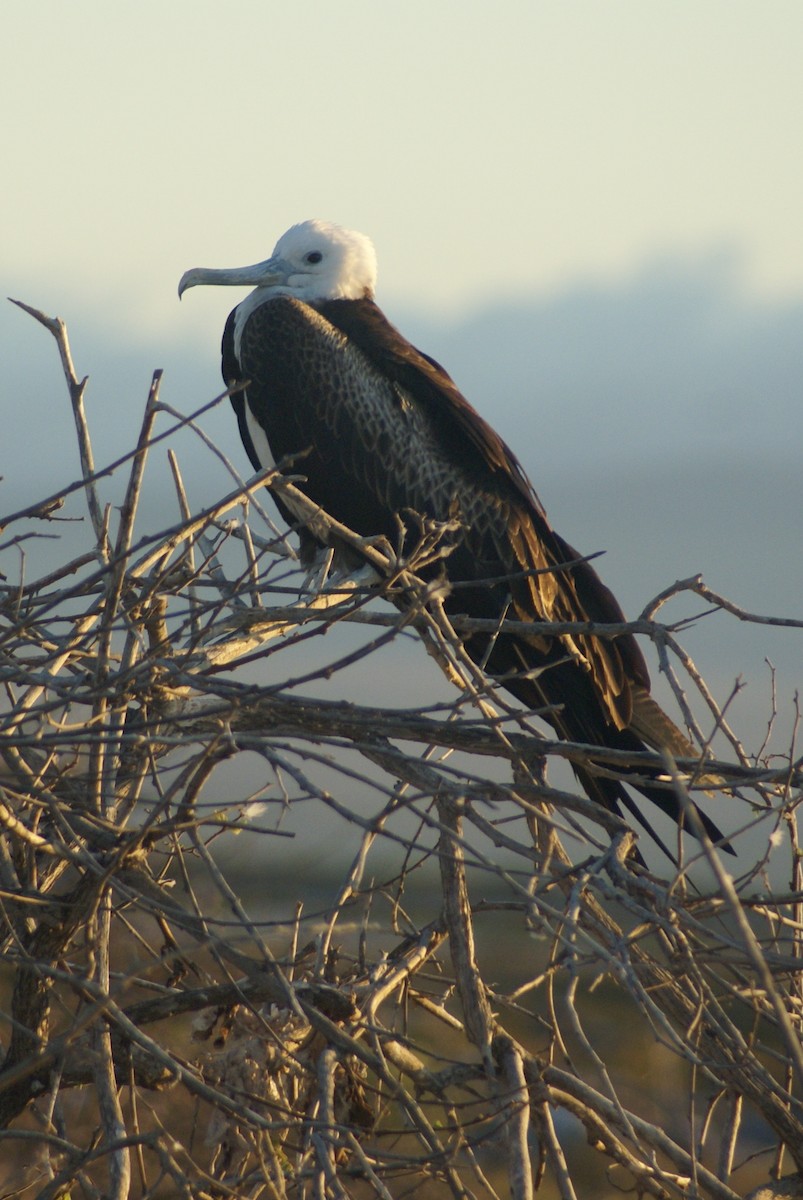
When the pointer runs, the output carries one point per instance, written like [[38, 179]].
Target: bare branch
[[260, 939]]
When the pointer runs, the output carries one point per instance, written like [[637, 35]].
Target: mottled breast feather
[[379, 431]]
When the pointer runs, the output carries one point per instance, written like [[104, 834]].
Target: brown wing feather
[[578, 595], [366, 326]]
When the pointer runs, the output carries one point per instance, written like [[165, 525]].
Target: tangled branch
[[481, 990]]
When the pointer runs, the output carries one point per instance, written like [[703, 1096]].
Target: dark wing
[[364, 323], [558, 595]]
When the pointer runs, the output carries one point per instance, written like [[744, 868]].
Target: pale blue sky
[[487, 149]]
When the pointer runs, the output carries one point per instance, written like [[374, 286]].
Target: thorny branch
[[262, 940]]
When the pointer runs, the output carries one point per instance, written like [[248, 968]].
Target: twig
[[76, 387]]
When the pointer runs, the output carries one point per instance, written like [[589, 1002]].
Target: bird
[[382, 437]]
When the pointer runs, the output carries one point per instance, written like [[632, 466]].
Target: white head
[[315, 260]]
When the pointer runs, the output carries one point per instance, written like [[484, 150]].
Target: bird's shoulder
[[430, 385]]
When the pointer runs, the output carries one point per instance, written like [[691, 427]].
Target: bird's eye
[[314, 256]]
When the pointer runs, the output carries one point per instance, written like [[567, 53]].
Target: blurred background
[[589, 213]]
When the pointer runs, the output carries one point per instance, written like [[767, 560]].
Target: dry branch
[[459, 993]]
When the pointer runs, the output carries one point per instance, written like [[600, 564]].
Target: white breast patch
[[258, 438]]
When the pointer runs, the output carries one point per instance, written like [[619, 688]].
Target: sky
[[488, 150], [590, 212]]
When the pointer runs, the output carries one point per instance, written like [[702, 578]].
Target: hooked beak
[[270, 273]]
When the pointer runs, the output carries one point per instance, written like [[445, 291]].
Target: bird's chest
[[366, 448], [311, 391]]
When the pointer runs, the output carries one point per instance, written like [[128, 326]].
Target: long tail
[[578, 717], [613, 794]]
